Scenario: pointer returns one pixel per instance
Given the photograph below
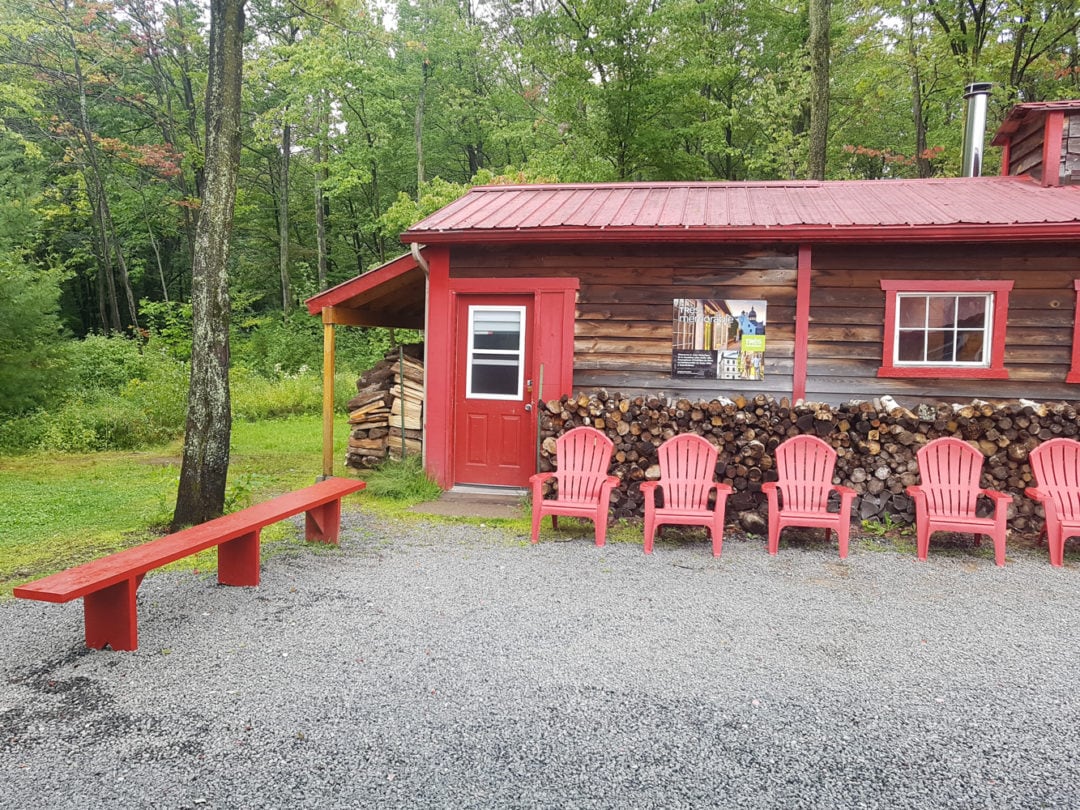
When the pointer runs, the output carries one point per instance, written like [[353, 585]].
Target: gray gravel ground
[[426, 665]]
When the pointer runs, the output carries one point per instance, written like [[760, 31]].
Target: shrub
[[100, 363]]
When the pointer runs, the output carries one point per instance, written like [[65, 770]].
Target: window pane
[[497, 330], [941, 311], [940, 344], [972, 311], [911, 346], [970, 345], [913, 310], [495, 374]]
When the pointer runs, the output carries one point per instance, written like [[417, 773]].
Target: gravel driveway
[[426, 665]]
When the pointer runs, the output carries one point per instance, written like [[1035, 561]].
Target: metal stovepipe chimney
[[975, 128]]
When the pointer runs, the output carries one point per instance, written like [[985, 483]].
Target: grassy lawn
[[58, 511]]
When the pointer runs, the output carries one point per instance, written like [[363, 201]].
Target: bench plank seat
[[108, 585]]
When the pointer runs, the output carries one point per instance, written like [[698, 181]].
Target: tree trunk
[[320, 196], [205, 465], [283, 220], [418, 124], [819, 86]]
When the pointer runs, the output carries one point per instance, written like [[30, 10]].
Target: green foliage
[[402, 481], [100, 363], [884, 526], [30, 336], [169, 326], [433, 195]]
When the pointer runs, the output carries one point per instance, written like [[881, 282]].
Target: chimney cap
[[978, 89]]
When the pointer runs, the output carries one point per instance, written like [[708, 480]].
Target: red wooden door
[[494, 414]]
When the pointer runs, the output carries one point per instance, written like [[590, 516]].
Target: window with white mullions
[[496, 366], [947, 328], [944, 329]]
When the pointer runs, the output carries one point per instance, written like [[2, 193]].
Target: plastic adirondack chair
[[584, 489], [946, 499], [1056, 465], [687, 468], [805, 465]]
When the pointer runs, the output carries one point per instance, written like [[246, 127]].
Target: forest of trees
[[358, 117]]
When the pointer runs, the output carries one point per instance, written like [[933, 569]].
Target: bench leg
[[111, 618], [238, 560], [323, 523]]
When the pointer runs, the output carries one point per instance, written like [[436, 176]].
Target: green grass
[[61, 510]]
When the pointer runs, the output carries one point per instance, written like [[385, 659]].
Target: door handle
[[528, 406]]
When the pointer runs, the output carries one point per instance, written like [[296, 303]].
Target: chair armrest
[[1037, 494], [845, 490], [914, 491], [724, 489], [769, 486], [997, 496], [649, 486], [540, 478]]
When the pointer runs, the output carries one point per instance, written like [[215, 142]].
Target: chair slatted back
[[687, 469], [950, 470], [1056, 465], [583, 455], [805, 466]]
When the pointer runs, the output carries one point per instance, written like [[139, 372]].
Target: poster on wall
[[718, 339]]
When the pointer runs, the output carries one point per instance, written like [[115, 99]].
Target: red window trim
[[1074, 373], [996, 369]]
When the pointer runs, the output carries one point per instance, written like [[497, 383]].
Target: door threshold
[[487, 489]]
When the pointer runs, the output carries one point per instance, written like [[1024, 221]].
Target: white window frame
[[519, 353], [987, 330]]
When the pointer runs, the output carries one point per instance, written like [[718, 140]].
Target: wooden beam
[[328, 397], [1052, 143], [802, 324]]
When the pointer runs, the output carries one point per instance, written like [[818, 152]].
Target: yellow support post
[[328, 395]]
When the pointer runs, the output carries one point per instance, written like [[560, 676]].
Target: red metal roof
[[993, 208]]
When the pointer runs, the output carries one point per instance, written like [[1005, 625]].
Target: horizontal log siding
[[847, 310], [622, 332]]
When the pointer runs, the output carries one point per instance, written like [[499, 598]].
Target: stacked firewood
[[875, 441], [386, 415]]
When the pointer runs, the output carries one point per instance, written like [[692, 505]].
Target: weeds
[[402, 481]]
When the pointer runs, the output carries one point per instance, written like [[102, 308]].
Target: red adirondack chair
[[946, 499], [1056, 465], [687, 469], [583, 456], [800, 497]]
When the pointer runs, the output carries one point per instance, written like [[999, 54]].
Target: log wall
[[623, 329], [876, 443], [847, 310]]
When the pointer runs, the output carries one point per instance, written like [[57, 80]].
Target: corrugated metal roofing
[[768, 210]]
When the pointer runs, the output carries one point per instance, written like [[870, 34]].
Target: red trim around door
[[553, 326]]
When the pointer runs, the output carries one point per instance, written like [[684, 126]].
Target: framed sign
[[718, 339]]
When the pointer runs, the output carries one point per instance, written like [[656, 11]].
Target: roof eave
[[1039, 231]]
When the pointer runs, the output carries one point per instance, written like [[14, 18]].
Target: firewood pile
[[875, 441], [387, 412]]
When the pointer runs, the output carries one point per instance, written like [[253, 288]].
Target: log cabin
[[920, 289]]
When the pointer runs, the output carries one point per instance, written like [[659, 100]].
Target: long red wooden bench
[[108, 585]]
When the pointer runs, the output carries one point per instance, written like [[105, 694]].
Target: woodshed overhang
[[968, 209], [391, 295], [1021, 114]]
